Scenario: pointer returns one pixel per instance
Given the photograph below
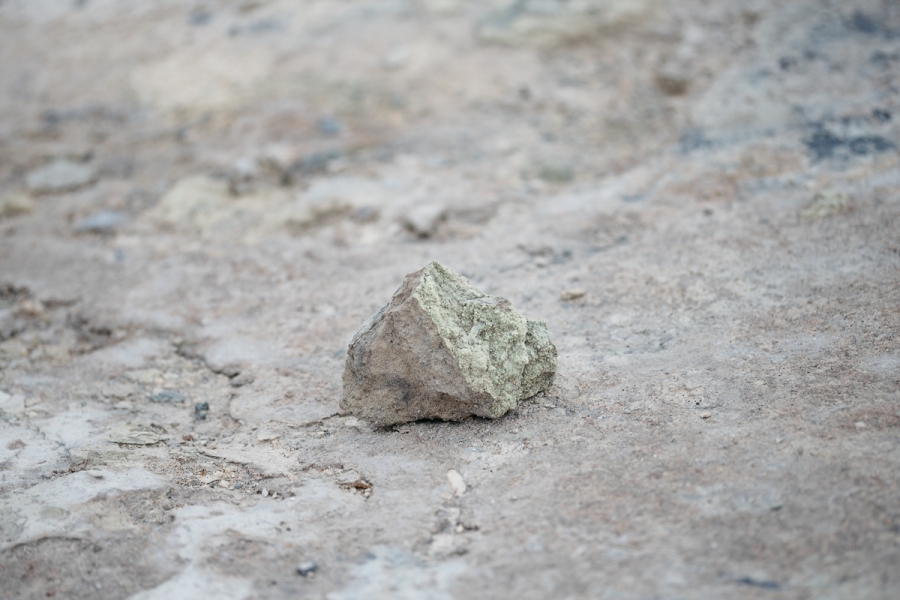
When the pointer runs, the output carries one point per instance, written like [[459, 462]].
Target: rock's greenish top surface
[[483, 333], [443, 349]]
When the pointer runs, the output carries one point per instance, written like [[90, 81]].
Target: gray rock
[[307, 567], [167, 396], [424, 219], [102, 221], [61, 175], [443, 350], [201, 410]]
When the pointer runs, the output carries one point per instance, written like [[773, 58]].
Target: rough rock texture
[[443, 350]]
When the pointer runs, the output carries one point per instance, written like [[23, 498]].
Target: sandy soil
[[701, 199]]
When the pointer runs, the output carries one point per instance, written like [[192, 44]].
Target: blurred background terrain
[[200, 202]]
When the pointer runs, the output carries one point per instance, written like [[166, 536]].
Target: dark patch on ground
[[757, 583], [823, 144]]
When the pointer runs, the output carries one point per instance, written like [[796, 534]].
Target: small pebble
[[103, 221], [15, 203], [170, 396], [267, 436], [705, 415], [200, 410], [423, 220], [61, 175], [306, 568], [456, 482], [570, 295], [95, 474]]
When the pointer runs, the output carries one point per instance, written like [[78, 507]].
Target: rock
[[443, 350], [267, 436], [573, 294], [15, 203], [211, 477], [167, 396], [456, 482], [423, 220], [201, 410], [826, 204], [134, 436], [30, 309], [306, 568], [61, 175], [102, 221], [549, 22]]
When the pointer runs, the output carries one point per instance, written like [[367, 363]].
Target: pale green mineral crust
[[484, 334], [442, 349]]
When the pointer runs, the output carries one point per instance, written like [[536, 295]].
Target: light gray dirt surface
[[701, 199]]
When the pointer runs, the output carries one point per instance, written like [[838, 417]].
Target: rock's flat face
[[443, 350]]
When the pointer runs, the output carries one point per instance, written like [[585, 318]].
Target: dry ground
[[702, 199]]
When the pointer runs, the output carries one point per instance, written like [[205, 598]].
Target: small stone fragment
[[570, 295], [826, 204], [61, 175], [201, 409], [102, 221], [267, 436], [31, 309], [456, 482], [443, 350], [167, 396], [15, 203], [423, 220], [307, 567], [211, 477], [134, 436]]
